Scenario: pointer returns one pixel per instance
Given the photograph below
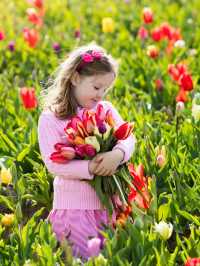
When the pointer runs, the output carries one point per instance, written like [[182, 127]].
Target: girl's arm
[[127, 146], [48, 135]]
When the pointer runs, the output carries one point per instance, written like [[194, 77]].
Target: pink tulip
[[100, 114], [2, 35], [142, 33], [58, 146], [94, 246], [89, 150], [68, 152]]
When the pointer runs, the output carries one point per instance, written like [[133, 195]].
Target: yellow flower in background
[[108, 25], [7, 219], [5, 176]]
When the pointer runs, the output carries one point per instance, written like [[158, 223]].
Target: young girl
[[81, 82]]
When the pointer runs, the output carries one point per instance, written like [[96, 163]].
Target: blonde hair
[[58, 96]]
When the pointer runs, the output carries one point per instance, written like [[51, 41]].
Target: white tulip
[[179, 44], [196, 112], [164, 229]]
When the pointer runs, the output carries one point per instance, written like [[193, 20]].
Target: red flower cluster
[[35, 16], [180, 75], [163, 32], [81, 135]]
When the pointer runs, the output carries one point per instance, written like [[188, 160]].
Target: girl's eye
[[96, 88]]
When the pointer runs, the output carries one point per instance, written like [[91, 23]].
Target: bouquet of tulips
[[93, 133]]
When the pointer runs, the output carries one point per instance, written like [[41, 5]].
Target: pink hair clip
[[87, 58]]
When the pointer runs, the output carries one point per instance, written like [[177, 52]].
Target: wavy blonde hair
[[58, 95]]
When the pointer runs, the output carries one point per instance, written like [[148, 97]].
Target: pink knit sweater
[[70, 191]]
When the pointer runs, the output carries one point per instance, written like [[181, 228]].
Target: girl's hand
[[108, 162]]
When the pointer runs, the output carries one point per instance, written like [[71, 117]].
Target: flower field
[[158, 88]]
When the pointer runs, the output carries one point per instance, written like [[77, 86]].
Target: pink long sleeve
[[50, 131], [127, 145]]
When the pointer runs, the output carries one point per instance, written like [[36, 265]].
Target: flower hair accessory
[[88, 58]]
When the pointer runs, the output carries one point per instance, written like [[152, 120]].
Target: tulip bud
[[5, 176], [147, 15], [7, 219], [164, 230], [180, 106], [160, 160], [196, 112], [101, 260], [152, 51], [94, 246], [102, 128]]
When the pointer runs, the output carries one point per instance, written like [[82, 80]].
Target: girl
[[81, 82]]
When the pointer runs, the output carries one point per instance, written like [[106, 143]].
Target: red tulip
[[31, 37], [2, 35], [159, 84], [156, 34], [182, 96], [186, 82], [34, 17], [167, 30], [174, 72], [28, 97], [124, 131], [140, 195], [73, 122], [142, 33], [147, 15], [36, 3], [193, 262], [138, 178], [58, 158], [152, 51]]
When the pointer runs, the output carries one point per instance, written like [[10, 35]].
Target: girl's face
[[89, 90]]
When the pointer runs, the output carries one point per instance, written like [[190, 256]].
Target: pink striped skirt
[[78, 226]]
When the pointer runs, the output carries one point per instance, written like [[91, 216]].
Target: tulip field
[[156, 44]]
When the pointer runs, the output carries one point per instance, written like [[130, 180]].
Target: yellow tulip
[[107, 25], [7, 219], [5, 176]]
